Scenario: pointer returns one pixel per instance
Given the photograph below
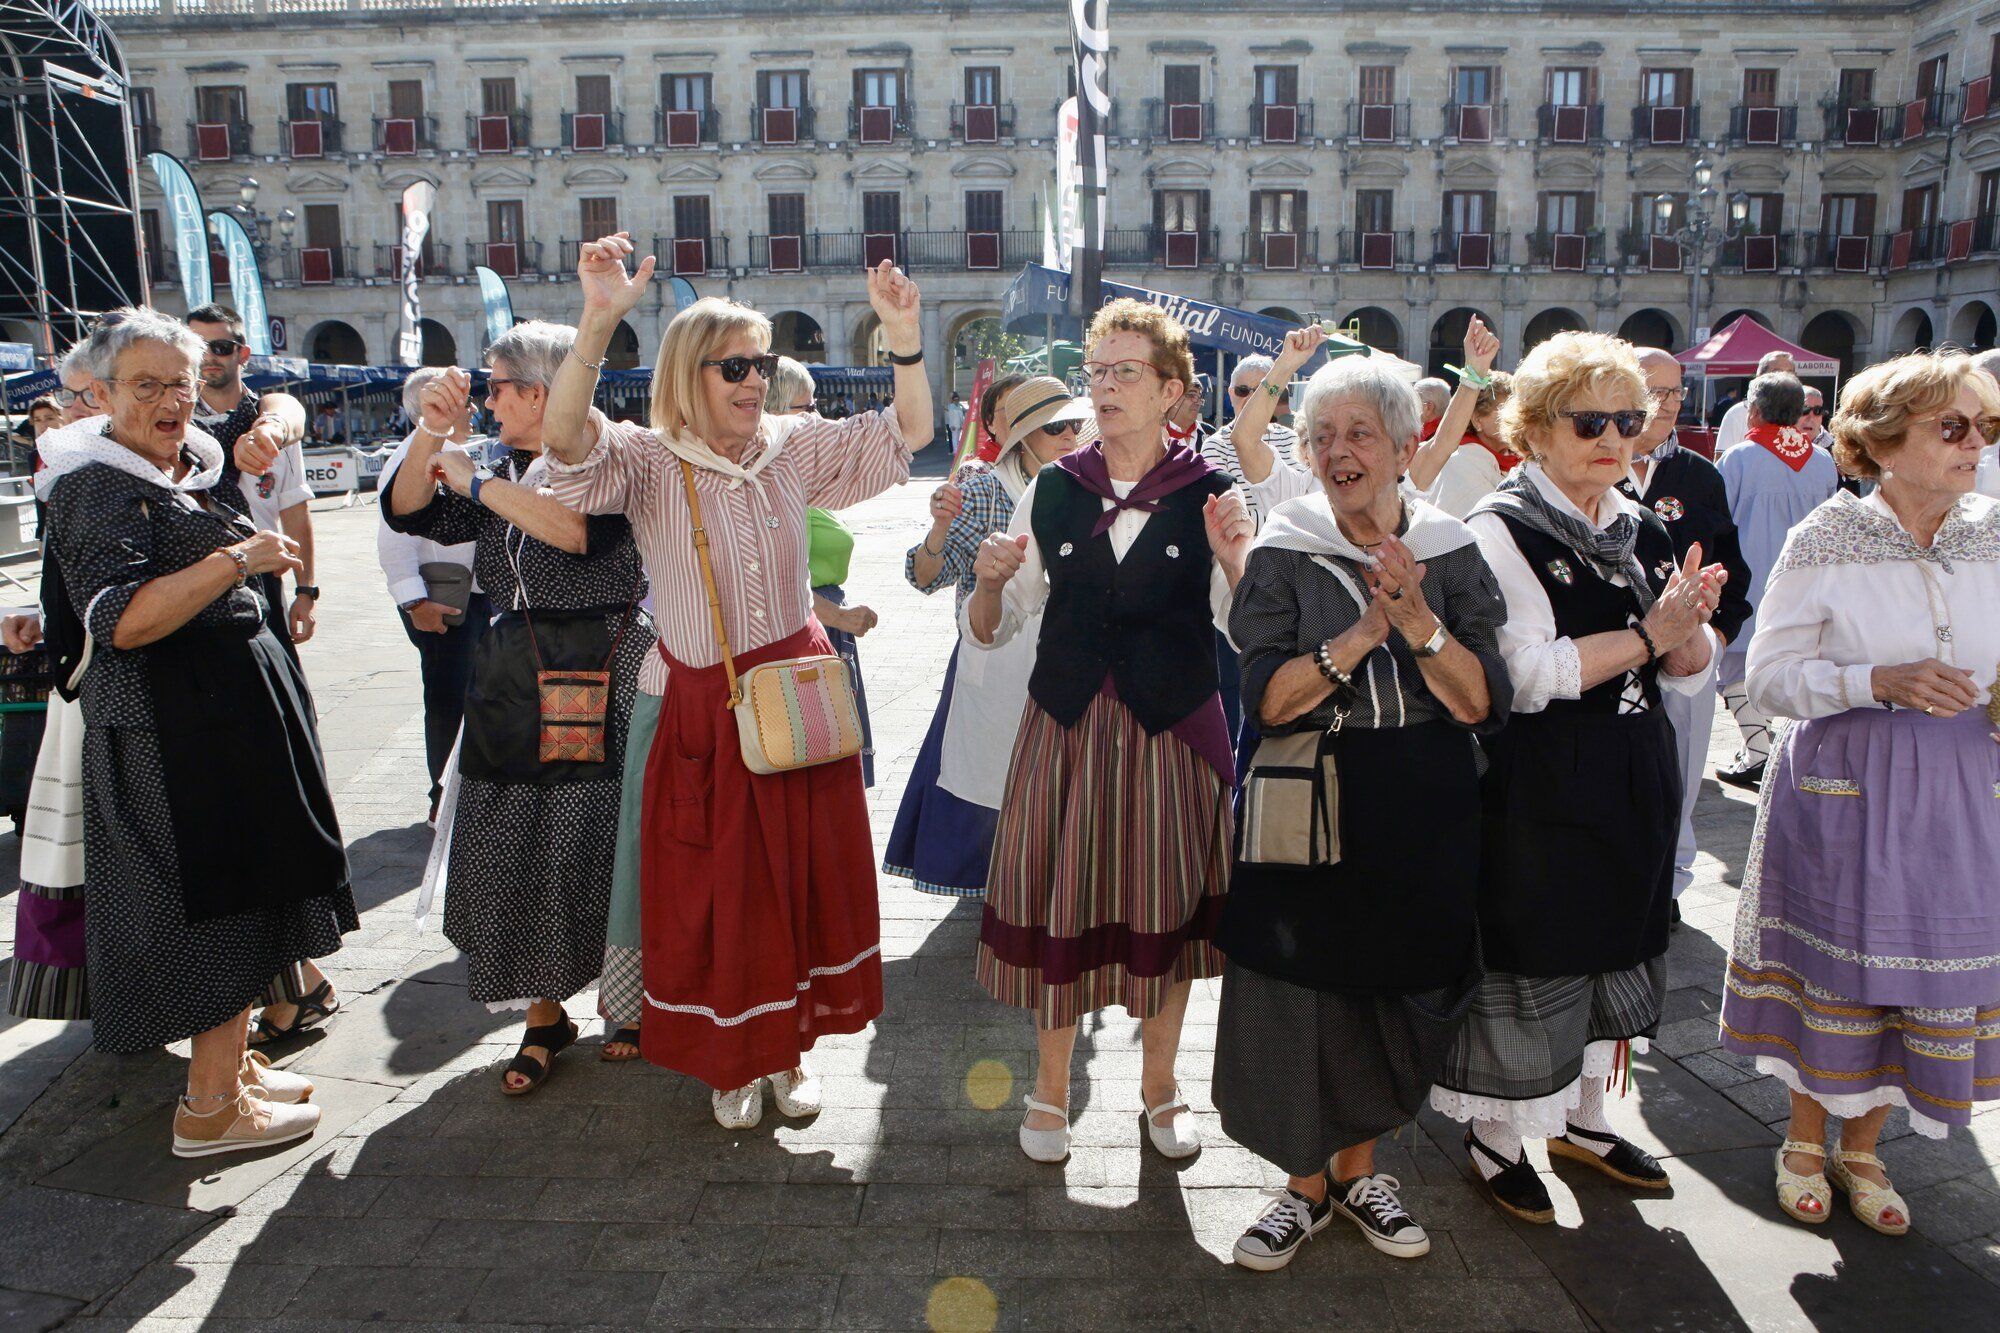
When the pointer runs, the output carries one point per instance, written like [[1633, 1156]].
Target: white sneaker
[[249, 1120], [1045, 1145], [796, 1091], [1180, 1136], [739, 1108], [279, 1085]]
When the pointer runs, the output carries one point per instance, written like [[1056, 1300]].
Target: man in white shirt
[[954, 417], [1736, 421], [444, 648]]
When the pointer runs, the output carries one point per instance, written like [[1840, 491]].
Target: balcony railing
[[781, 126], [1179, 122], [1836, 253], [320, 265], [1130, 247], [1377, 249], [497, 134], [982, 122], [970, 251], [1986, 234], [880, 124], [1657, 252], [1281, 122], [1280, 251], [1384, 122], [1570, 124], [1471, 251], [435, 262], [1182, 249], [405, 136], [1666, 126], [311, 137], [1924, 115], [686, 129], [506, 258], [592, 131], [679, 256], [1758, 254], [1898, 250], [1859, 124], [1475, 122], [1566, 251], [1763, 126], [218, 140]]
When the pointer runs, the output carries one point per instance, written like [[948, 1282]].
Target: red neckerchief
[[1430, 429], [1180, 436], [1506, 458], [1788, 444]]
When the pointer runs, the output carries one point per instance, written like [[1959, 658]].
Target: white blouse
[[1469, 476], [1543, 664], [1823, 629]]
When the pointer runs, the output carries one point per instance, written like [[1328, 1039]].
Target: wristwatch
[[479, 479], [1434, 645], [306, 590]]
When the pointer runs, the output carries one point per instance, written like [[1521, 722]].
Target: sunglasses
[[736, 369], [1952, 428], [223, 346], [1811, 410], [1590, 425], [1055, 428]]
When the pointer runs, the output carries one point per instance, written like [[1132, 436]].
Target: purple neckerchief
[[1205, 731], [1181, 467]]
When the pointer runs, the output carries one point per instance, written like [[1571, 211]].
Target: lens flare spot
[[989, 1085], [962, 1305]]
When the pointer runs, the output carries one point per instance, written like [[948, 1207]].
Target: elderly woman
[[1110, 860], [193, 909], [942, 840], [1467, 456], [528, 832], [758, 910], [1582, 801], [829, 548], [1369, 620], [1863, 971]]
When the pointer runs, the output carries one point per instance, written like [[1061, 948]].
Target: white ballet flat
[[796, 1092], [1180, 1136], [738, 1108], [1045, 1145]]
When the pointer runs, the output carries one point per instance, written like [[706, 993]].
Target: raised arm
[[610, 291], [1246, 432], [541, 516], [443, 403], [899, 306], [1481, 347], [280, 420]]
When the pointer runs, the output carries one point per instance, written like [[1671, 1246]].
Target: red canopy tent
[[1734, 352]]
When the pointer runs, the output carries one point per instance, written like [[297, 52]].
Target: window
[[1763, 213], [1278, 85], [1378, 85], [1646, 214], [1667, 87], [1760, 87], [593, 94], [1847, 214], [219, 106], [686, 92], [1182, 86], [878, 87], [1567, 212], [503, 221], [691, 217], [787, 213], [1280, 212], [406, 99], [983, 210], [982, 85], [781, 87], [1472, 85], [1857, 87], [881, 212], [1374, 210], [322, 232], [1930, 76], [1919, 207], [496, 97], [598, 217], [1180, 210], [1468, 211], [309, 101], [149, 231], [145, 123], [1989, 195], [1570, 86]]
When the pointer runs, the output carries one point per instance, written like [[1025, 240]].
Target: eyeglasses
[[146, 390], [800, 409], [1590, 425], [1952, 428], [1125, 372], [223, 346], [736, 369], [1672, 395], [64, 397]]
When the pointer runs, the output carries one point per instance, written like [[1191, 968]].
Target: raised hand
[[1682, 606], [898, 305], [946, 503], [257, 448], [445, 402], [1300, 344], [1481, 346], [1230, 530], [999, 559], [607, 284], [1397, 583]]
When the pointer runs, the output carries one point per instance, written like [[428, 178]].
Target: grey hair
[[1263, 366], [1433, 393], [1778, 399], [77, 365], [1988, 361], [98, 353], [413, 389], [1768, 363], [533, 351], [786, 381], [1371, 383]]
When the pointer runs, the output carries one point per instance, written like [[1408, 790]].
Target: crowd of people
[[1202, 676]]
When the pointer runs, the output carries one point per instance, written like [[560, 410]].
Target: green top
[[829, 547]]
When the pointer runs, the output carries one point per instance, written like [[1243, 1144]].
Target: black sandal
[[1518, 1187], [628, 1036], [555, 1038], [313, 1009], [1627, 1163]]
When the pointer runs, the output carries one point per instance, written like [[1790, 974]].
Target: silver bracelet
[[597, 365]]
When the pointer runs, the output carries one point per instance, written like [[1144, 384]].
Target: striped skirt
[[1110, 864]]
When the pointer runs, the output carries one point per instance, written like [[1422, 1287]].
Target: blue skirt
[[939, 842]]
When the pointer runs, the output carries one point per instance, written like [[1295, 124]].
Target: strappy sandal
[[312, 1010], [1517, 1188], [1626, 1162], [624, 1036], [1867, 1199], [1794, 1188], [555, 1038]]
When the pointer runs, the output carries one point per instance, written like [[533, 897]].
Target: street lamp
[[259, 225], [1700, 233]]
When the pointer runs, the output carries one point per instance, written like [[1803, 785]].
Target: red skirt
[[758, 921]]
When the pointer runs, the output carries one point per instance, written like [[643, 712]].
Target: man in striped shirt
[[1219, 449]]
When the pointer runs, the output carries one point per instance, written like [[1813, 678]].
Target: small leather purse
[[574, 703], [1291, 803]]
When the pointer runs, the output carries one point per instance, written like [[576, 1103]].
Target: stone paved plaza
[[611, 1198]]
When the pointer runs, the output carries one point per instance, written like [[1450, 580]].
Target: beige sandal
[[1793, 1187], [1867, 1199]]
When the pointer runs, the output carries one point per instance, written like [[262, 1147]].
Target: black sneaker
[[1370, 1203], [1275, 1237]]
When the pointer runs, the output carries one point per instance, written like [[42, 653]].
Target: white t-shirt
[[279, 489], [1734, 430]]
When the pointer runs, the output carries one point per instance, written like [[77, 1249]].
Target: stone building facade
[[1398, 165]]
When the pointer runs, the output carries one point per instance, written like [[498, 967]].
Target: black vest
[[1144, 619], [1585, 604]]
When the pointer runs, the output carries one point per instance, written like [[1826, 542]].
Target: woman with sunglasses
[[1863, 973], [760, 931], [1111, 856], [1582, 799], [942, 840]]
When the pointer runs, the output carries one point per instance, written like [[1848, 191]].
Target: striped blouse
[[757, 533]]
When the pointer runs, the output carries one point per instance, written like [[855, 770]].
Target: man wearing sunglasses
[[259, 435]]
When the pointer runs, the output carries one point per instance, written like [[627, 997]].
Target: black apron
[[503, 720], [253, 822]]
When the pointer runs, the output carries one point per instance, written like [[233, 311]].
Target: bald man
[[1688, 494], [1736, 421]]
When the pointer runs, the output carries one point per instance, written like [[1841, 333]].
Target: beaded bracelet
[[597, 365], [1323, 659], [1652, 652]]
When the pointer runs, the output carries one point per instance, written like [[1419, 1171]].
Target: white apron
[[988, 696]]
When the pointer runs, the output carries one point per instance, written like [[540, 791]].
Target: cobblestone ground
[[612, 1198]]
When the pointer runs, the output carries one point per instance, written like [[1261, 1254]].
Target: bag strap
[[708, 583]]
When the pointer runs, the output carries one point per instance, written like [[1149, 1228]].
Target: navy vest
[[1585, 604]]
